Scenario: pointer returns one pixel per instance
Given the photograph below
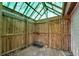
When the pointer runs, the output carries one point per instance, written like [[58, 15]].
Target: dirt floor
[[35, 51]]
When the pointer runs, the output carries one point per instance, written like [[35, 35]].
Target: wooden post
[[0, 26]]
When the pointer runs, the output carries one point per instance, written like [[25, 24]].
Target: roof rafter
[[26, 8], [32, 8], [43, 13], [21, 6], [40, 11], [15, 6], [55, 10], [35, 8], [46, 9], [54, 5]]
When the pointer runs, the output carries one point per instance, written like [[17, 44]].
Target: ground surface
[[35, 51]]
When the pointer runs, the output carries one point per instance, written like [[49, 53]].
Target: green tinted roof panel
[[34, 15], [18, 6], [30, 12], [5, 3], [50, 14], [35, 10], [60, 4], [11, 5], [38, 17], [23, 8], [27, 10], [57, 9], [34, 5], [40, 6], [43, 17]]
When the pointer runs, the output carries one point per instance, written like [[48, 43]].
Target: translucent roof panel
[[30, 12], [34, 15], [40, 6], [60, 4], [57, 9], [43, 17], [35, 10], [42, 12], [49, 5], [5, 3], [38, 17], [18, 6], [27, 10], [34, 5], [23, 8], [50, 14], [11, 5]]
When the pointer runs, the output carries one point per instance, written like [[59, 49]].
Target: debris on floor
[[35, 51]]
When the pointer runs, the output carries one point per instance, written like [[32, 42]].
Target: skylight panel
[[34, 5], [31, 3], [42, 12], [27, 10], [30, 11], [5, 3], [60, 4], [34, 15], [38, 17], [50, 14], [40, 6], [23, 8], [43, 17], [11, 5], [19, 4], [49, 5], [57, 9]]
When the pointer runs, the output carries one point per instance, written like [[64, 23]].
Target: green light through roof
[[34, 15], [43, 17], [35, 9], [57, 9], [34, 5], [5, 3], [50, 14], [40, 6], [29, 12], [23, 8], [11, 5], [18, 6], [60, 4], [38, 17]]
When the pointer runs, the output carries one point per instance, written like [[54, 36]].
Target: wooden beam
[[72, 5], [0, 27], [15, 12], [64, 8]]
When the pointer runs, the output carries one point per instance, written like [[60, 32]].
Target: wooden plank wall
[[54, 34], [15, 33], [30, 30]]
